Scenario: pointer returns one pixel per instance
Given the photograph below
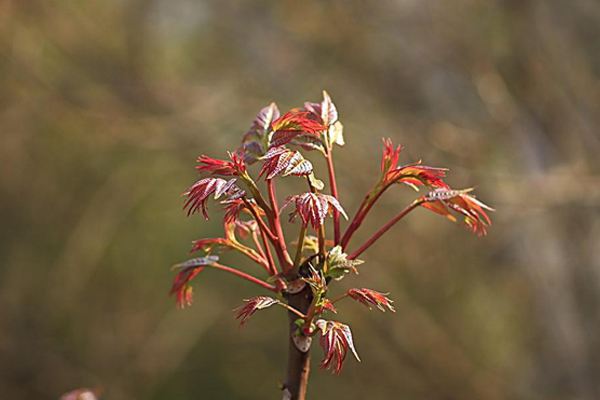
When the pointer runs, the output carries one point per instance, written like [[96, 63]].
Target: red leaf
[[282, 161], [370, 298], [418, 175], [244, 312], [292, 124], [198, 194], [254, 143], [327, 305], [314, 207], [442, 201], [188, 271], [336, 340], [413, 174], [235, 167], [389, 159]]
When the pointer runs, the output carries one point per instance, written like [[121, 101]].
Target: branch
[[366, 205], [259, 247], [341, 297], [281, 247], [300, 246], [269, 255], [250, 253], [243, 275], [256, 193], [385, 228], [292, 309], [259, 220], [334, 192], [265, 233]]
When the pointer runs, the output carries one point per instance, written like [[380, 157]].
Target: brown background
[[104, 106]]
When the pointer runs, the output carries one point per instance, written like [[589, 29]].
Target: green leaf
[[335, 135], [316, 183], [338, 265]]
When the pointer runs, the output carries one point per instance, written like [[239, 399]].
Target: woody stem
[[296, 382]]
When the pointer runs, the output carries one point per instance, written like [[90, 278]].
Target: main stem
[[298, 370]]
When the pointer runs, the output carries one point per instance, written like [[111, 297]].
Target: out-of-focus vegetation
[[104, 106]]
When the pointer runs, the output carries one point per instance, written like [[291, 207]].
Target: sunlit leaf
[[313, 207], [337, 264], [244, 312], [370, 298], [188, 270], [282, 161], [198, 194], [444, 201], [336, 340]]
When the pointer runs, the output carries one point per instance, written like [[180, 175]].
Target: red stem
[[385, 228], [334, 192], [341, 297], [281, 247], [259, 247], [360, 215], [254, 256], [269, 257], [259, 221], [265, 233], [244, 275]]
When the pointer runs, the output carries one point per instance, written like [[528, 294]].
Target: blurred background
[[105, 105]]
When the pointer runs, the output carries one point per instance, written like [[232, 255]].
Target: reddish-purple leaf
[[441, 201], [282, 161], [188, 271], [327, 305], [244, 312], [413, 174], [198, 194], [416, 175], [336, 340], [292, 124], [256, 141], [235, 167], [314, 207], [370, 298]]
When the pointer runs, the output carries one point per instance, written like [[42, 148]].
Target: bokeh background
[[105, 105]]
